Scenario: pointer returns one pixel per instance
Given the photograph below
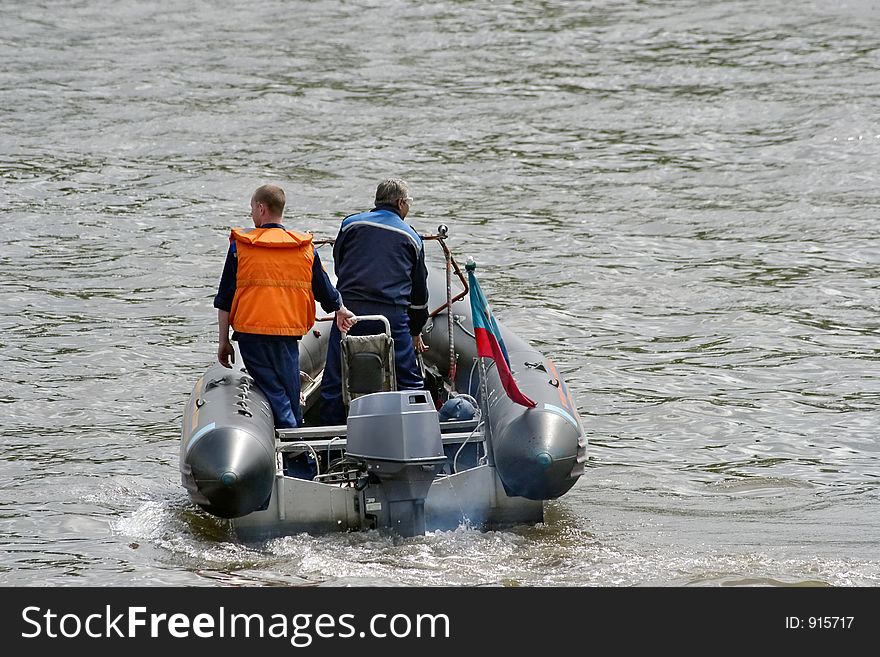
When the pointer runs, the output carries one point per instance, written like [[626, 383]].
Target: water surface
[[676, 201]]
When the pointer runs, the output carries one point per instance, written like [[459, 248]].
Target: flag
[[489, 341]]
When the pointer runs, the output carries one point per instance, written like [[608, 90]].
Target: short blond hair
[[272, 197]]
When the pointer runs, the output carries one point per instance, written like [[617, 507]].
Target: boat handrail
[[451, 265], [337, 443], [328, 432]]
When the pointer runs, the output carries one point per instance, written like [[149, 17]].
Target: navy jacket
[[380, 260]]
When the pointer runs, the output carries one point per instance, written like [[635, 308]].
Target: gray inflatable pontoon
[[395, 465]]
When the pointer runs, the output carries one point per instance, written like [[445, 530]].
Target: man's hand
[[225, 353], [419, 344], [345, 319]]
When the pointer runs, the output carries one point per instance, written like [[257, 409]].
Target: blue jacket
[[380, 259]]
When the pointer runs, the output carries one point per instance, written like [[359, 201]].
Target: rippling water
[[677, 201]]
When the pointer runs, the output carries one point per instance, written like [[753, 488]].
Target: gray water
[[676, 201]]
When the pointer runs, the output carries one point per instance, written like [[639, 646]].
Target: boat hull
[[472, 498], [496, 473]]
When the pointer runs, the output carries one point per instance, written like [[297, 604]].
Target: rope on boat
[[442, 231], [455, 459], [451, 265], [457, 321]]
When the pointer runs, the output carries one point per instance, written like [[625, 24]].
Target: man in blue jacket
[[380, 269]]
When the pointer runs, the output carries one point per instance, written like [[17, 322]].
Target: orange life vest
[[273, 288]]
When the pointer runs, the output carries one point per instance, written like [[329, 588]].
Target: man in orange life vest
[[270, 281]]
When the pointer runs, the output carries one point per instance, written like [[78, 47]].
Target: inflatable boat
[[460, 452]]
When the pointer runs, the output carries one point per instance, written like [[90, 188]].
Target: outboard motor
[[397, 435]]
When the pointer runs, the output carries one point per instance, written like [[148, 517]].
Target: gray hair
[[390, 190]]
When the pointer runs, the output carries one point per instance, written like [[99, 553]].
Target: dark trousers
[[274, 364], [405, 364]]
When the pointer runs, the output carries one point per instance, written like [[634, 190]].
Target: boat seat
[[367, 362]]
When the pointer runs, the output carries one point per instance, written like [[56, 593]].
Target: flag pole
[[471, 266], [484, 403]]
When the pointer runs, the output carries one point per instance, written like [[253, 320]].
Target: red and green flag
[[489, 341]]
